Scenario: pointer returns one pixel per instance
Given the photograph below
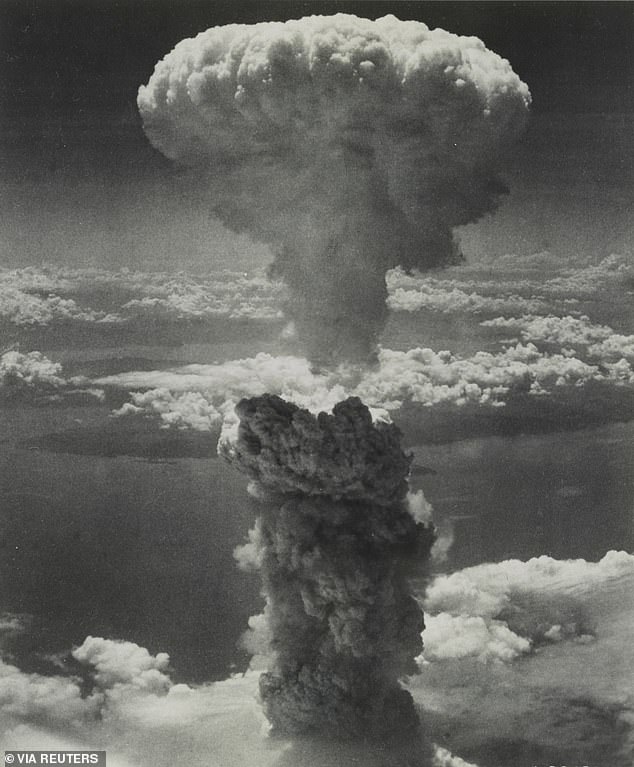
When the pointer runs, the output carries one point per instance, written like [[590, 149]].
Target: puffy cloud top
[[124, 663], [240, 90], [351, 146], [498, 611], [30, 370]]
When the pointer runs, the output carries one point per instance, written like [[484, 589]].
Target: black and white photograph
[[317, 383]]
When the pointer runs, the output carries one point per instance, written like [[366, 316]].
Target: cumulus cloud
[[444, 758], [429, 378], [10, 623], [500, 611], [348, 145], [591, 279], [33, 376], [29, 370], [583, 271], [143, 719], [39, 279], [202, 396], [133, 710], [123, 663], [190, 409], [47, 294], [39, 296], [457, 636], [560, 331], [538, 285], [614, 351], [573, 698], [235, 296], [30, 296], [20, 308], [569, 623], [408, 293]]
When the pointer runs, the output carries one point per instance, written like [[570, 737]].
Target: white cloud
[[430, 378], [45, 294], [141, 717], [200, 396], [124, 663], [482, 611], [32, 375], [410, 294], [235, 296], [189, 409], [559, 273], [444, 758], [29, 370], [539, 285], [568, 695], [569, 699], [21, 308], [458, 636], [41, 295], [33, 697], [563, 331], [576, 335], [137, 723], [591, 279]]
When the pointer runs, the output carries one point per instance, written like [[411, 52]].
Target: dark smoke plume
[[350, 146], [334, 544]]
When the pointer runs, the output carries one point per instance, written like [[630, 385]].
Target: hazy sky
[[81, 184]]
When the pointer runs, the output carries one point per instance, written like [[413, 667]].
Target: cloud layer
[[39, 296], [46, 295], [568, 688], [501, 611], [203, 396], [33, 377], [576, 336], [541, 284], [542, 642]]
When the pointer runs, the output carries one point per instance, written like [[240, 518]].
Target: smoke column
[[350, 146], [334, 544]]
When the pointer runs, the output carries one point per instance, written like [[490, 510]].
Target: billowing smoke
[[334, 544], [350, 146]]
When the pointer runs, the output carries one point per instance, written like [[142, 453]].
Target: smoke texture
[[349, 146], [334, 544]]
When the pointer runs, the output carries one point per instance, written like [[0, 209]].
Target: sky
[[81, 184]]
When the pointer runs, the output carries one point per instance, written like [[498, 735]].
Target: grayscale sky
[[81, 184]]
